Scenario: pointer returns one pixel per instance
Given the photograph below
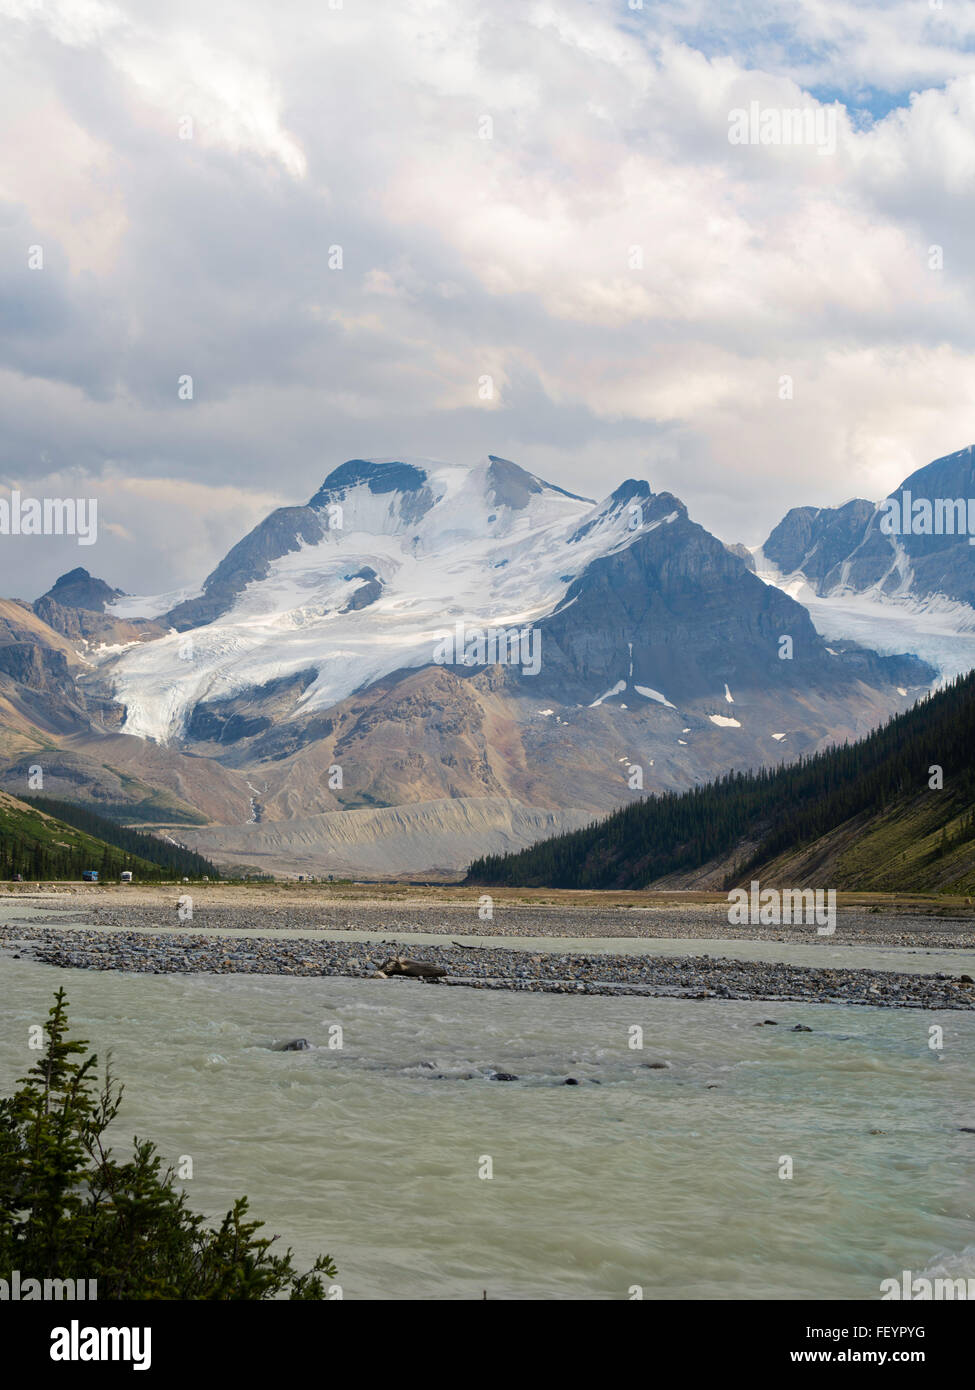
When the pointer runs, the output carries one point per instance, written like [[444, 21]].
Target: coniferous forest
[[884, 779], [46, 839]]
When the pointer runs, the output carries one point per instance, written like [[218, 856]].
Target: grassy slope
[[26, 826], [26, 830], [899, 849], [855, 818]]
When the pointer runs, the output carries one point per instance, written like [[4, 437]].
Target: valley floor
[[898, 955], [882, 919]]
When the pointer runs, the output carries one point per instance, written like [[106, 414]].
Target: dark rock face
[[76, 607], [379, 478], [208, 726], [690, 610], [817, 541], [366, 593], [281, 740], [382, 479], [37, 667], [848, 546], [510, 485], [85, 625], [245, 716], [78, 589], [38, 683], [791, 541], [943, 564]]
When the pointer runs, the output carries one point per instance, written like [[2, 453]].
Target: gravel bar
[[854, 926], [483, 967]]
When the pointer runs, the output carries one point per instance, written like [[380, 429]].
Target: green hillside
[[39, 844], [859, 816]]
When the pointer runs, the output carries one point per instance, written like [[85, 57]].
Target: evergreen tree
[[70, 1209]]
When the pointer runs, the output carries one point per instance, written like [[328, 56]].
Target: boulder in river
[[292, 1045]]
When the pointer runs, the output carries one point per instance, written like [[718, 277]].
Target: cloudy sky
[[539, 192]]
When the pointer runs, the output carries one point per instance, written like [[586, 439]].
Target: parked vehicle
[[89, 876], [125, 876]]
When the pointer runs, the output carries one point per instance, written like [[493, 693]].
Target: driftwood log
[[402, 965]]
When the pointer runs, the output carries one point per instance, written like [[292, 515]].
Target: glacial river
[[663, 1180]]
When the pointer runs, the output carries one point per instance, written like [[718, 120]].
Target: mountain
[[78, 607], [77, 589], [41, 699], [55, 840], [914, 547], [865, 816], [473, 640]]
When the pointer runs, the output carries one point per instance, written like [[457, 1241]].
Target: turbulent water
[[664, 1180]]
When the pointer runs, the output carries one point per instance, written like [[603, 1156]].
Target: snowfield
[[466, 558], [938, 630]]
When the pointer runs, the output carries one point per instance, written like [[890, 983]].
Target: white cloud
[[463, 257]]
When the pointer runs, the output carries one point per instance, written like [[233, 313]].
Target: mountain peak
[[846, 550], [77, 589], [378, 475], [72, 577], [510, 485]]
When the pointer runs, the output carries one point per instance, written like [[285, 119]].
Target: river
[[663, 1181]]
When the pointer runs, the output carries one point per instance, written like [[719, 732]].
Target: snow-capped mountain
[[367, 579], [896, 575], [376, 573], [427, 661], [916, 543]]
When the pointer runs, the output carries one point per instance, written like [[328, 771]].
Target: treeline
[[34, 860], [770, 810], [148, 847], [78, 839]]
